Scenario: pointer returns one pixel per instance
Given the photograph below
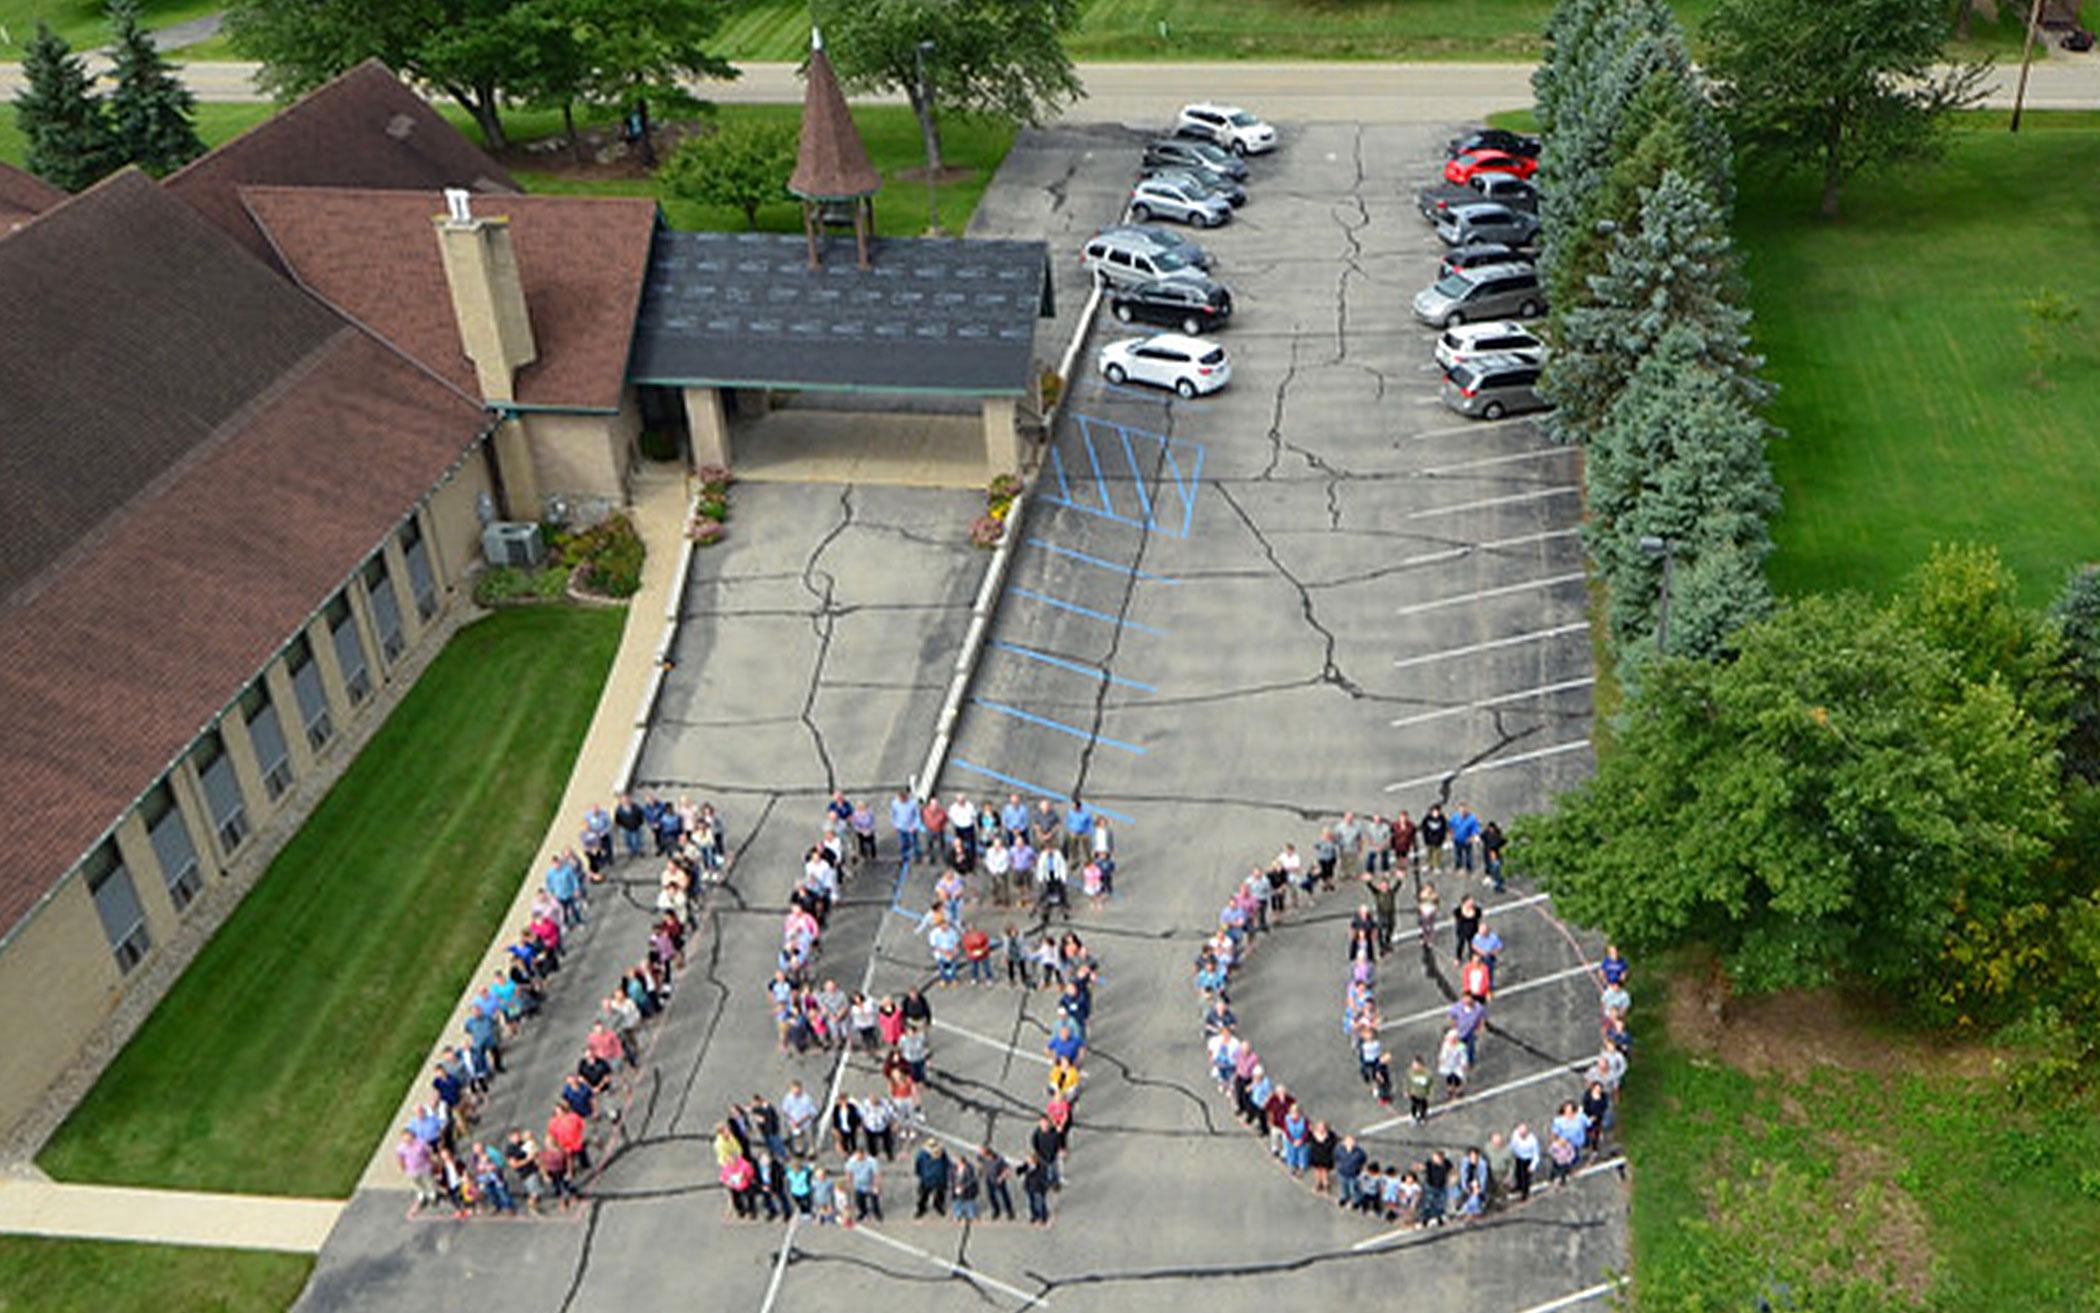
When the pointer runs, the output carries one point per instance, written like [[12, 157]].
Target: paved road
[[1148, 93]]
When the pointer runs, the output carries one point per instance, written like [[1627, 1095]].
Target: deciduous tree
[[1837, 88], [1003, 58], [740, 165]]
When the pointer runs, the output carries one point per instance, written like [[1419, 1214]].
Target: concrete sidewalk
[[168, 1217], [659, 511]]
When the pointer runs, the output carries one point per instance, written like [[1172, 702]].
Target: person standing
[[1465, 923], [1349, 1162], [1385, 895], [865, 1175], [1524, 1156], [627, 815], [1451, 1063], [1036, 1180], [1048, 1144], [1465, 832], [1404, 840], [1327, 854], [1492, 844], [1434, 831], [1349, 839], [1419, 1083], [908, 823], [966, 1182], [995, 1171], [1378, 844], [932, 1168], [1079, 834]]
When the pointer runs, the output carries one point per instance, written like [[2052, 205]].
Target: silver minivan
[[1128, 258], [1493, 386], [1491, 291]]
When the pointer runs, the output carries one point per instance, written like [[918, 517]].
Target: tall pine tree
[[1675, 268], [61, 118], [152, 113]]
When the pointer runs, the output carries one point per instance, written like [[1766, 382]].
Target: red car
[[1461, 170]]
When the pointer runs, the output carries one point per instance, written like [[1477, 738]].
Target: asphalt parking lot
[[1231, 619]]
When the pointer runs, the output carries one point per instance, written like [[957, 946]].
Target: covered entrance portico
[[919, 368]]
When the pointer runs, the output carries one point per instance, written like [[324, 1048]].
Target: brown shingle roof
[[831, 163], [23, 196], [153, 621], [130, 331], [374, 256], [365, 129]]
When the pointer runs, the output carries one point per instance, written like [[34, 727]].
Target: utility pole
[[933, 203], [1667, 549], [2034, 25]]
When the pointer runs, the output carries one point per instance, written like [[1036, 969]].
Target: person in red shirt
[[566, 1128], [1476, 979], [977, 951]]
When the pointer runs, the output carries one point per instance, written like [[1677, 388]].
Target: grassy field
[[1895, 337], [84, 23], [1269, 29], [66, 1276], [274, 1064], [1805, 1144], [892, 137]]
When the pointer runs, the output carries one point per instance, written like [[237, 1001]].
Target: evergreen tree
[[1676, 267], [2076, 612], [1680, 456], [1568, 29], [61, 118], [152, 113]]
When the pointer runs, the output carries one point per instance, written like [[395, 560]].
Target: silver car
[[1166, 239], [1184, 202], [1127, 258], [1489, 291], [1493, 386], [1489, 221]]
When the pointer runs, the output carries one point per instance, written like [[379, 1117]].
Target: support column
[[515, 466], [753, 403], [709, 427], [1002, 438], [290, 720]]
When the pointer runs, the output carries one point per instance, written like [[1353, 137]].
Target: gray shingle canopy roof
[[930, 315]]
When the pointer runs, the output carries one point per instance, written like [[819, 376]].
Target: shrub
[[1005, 487], [712, 508], [504, 585], [1052, 387], [706, 532], [986, 531], [715, 478]]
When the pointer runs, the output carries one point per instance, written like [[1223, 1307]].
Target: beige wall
[[453, 525], [61, 980], [584, 455]]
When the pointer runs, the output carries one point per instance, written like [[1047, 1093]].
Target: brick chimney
[[488, 297]]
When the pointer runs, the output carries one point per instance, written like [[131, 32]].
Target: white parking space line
[[1565, 1301], [1428, 1014], [1485, 767], [1491, 1092], [1564, 490], [1532, 636], [988, 1041], [1584, 1296], [969, 1274], [1543, 690], [1477, 426], [1550, 581], [1488, 462]]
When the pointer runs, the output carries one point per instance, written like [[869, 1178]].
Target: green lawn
[[66, 1276], [1895, 338], [84, 23], [276, 1061], [1271, 29], [892, 137], [216, 122], [1909, 1174]]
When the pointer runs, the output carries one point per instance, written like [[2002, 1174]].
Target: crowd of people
[[770, 1157], [442, 1150], [1382, 855]]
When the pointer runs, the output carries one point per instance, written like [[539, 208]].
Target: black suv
[[1184, 153], [1502, 139], [1193, 305]]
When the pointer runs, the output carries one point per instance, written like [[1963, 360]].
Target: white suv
[[1464, 343], [1228, 126], [1189, 365]]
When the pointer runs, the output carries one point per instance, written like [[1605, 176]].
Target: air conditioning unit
[[515, 543]]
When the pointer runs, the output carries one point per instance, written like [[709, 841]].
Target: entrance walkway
[[168, 1217]]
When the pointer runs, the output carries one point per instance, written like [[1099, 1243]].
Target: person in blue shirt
[[1489, 945], [1067, 1040], [1465, 828], [905, 820], [1014, 816], [1079, 833], [565, 882], [1612, 965]]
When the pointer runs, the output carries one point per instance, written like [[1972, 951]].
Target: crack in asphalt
[[1330, 672], [823, 622]]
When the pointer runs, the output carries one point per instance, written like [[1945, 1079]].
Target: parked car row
[[1152, 274], [1486, 212]]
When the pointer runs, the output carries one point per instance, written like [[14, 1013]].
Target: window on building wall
[[117, 904], [349, 649], [312, 698], [222, 792], [170, 838], [266, 732], [422, 580], [386, 612]]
